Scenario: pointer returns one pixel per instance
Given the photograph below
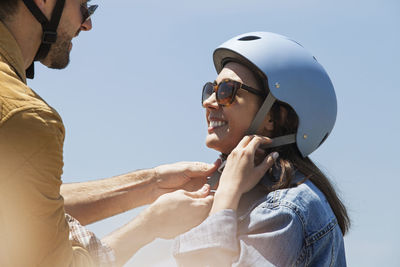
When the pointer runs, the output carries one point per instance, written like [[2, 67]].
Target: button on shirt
[[287, 227]]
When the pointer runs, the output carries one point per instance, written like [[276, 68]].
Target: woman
[[270, 86]]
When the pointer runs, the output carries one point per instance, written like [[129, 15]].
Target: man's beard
[[58, 56]]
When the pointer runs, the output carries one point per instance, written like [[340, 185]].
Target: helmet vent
[[249, 38]]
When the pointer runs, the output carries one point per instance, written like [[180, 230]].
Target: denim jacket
[[288, 227]]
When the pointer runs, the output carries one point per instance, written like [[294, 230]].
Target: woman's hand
[[177, 212], [241, 174]]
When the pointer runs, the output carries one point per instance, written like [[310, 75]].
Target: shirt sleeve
[[34, 230], [102, 254], [270, 237]]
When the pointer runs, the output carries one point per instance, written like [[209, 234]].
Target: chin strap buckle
[[49, 37]]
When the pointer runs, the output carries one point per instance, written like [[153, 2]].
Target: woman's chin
[[217, 146], [213, 144]]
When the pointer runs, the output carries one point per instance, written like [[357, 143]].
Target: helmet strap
[[49, 29], [261, 114], [213, 179], [280, 141], [260, 117]]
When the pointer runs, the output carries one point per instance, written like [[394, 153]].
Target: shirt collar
[[10, 50]]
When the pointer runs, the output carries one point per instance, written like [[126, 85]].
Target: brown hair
[[290, 160], [7, 9]]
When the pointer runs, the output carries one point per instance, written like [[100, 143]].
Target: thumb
[[268, 162], [202, 192], [202, 169]]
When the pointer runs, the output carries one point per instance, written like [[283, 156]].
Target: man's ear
[[40, 3], [46, 6]]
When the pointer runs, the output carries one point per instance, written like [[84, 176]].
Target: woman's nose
[[211, 102]]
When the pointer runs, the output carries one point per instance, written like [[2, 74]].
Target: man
[[34, 227]]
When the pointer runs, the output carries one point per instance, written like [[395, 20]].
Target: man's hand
[[183, 175], [177, 212], [170, 215], [96, 200]]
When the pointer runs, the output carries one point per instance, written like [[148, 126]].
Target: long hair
[[285, 121]]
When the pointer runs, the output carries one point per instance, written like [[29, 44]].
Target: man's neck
[[27, 32]]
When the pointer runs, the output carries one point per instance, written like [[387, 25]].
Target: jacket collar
[[10, 50]]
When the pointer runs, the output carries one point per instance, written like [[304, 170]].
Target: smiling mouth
[[216, 124]]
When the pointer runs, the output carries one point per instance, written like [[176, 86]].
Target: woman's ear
[[268, 125]]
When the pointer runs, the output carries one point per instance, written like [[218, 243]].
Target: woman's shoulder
[[304, 202]]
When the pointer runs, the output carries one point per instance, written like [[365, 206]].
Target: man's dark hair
[[7, 8]]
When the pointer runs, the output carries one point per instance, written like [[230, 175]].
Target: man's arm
[[33, 227], [92, 201]]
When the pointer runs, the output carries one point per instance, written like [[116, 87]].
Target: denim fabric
[[288, 227]]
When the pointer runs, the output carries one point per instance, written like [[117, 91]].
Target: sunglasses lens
[[87, 11], [225, 93], [208, 90], [84, 12]]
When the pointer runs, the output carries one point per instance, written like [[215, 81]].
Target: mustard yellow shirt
[[33, 228]]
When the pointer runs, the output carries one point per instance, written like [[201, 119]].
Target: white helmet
[[293, 76]]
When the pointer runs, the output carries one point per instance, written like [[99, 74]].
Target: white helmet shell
[[293, 75]]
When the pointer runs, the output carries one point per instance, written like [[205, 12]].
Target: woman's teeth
[[215, 124]]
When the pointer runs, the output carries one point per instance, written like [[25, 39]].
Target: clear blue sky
[[130, 99]]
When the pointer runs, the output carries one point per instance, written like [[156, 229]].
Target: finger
[[253, 145], [268, 162], [208, 200], [245, 140], [202, 192], [216, 165], [258, 140], [201, 169]]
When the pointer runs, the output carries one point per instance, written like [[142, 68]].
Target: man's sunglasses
[[225, 91], [87, 11]]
